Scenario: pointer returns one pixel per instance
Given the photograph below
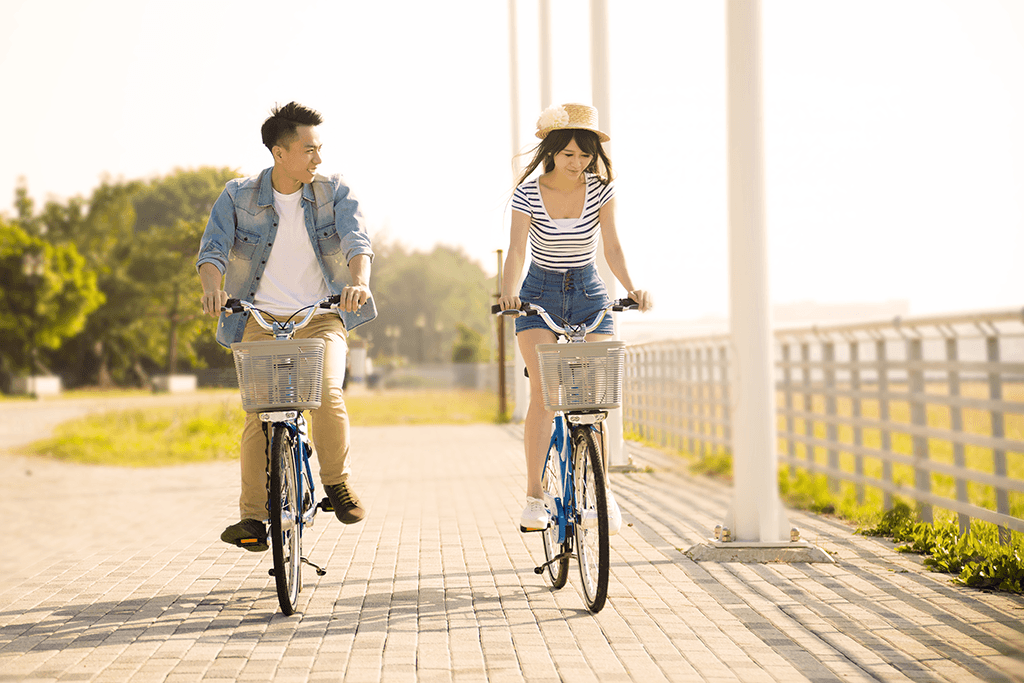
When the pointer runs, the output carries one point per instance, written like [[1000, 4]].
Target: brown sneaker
[[347, 507], [250, 534]]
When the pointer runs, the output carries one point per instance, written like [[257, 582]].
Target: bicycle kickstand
[[320, 571], [557, 558]]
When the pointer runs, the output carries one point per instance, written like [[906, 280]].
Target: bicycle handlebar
[[526, 308], [568, 329], [240, 305]]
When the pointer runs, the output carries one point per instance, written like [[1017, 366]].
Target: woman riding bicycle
[[563, 212]]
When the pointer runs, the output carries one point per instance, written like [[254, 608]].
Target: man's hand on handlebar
[[353, 297], [213, 301]]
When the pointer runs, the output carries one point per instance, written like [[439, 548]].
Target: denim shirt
[[241, 232]]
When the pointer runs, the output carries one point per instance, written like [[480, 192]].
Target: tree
[[422, 298], [171, 214], [47, 296], [104, 352], [141, 239], [470, 347]]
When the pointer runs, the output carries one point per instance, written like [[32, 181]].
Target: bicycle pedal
[[530, 531], [255, 545], [325, 505]]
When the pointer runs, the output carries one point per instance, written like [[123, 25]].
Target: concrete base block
[[758, 553], [174, 384], [37, 385]]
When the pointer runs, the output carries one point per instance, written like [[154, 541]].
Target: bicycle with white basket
[[279, 379], [581, 381]]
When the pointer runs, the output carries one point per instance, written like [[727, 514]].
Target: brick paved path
[[118, 575]]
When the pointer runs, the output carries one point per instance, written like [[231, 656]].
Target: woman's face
[[571, 161]]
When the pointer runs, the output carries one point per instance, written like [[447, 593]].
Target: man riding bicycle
[[281, 240]]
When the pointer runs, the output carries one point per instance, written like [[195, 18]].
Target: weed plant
[[977, 558]]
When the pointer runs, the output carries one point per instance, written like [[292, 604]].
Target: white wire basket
[[279, 374], [584, 376]]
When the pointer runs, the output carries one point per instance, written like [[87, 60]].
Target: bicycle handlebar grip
[[625, 305], [495, 309], [333, 301], [233, 305]]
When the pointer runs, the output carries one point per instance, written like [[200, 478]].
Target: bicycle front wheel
[[285, 516], [591, 517], [551, 481]]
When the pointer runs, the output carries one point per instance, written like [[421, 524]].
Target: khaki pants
[[328, 424]]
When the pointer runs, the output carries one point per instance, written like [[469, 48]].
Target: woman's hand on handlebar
[[642, 298], [509, 303]]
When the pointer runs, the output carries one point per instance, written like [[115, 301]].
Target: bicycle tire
[[592, 548], [285, 518], [551, 481]]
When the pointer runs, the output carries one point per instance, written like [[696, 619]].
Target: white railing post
[[855, 411], [956, 423], [828, 359], [919, 418], [808, 401], [995, 393], [787, 385], [882, 370]]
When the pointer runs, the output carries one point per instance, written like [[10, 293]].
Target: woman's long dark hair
[[557, 140]]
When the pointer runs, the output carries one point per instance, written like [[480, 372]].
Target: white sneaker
[[535, 515], [614, 516]]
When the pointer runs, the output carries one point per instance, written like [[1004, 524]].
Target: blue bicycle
[[279, 379], [581, 382]]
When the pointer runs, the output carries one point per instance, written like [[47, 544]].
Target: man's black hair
[[280, 128]]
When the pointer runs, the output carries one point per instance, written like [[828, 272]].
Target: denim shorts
[[576, 296]]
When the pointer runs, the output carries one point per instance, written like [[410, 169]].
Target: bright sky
[[894, 134]]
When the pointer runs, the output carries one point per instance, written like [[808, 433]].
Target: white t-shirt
[[292, 278]]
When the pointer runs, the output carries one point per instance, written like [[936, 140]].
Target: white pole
[[757, 514], [544, 40], [520, 388], [601, 94]]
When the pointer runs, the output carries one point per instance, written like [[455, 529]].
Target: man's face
[[297, 160]]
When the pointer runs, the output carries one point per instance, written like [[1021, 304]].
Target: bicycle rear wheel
[[591, 518], [285, 516], [551, 481]]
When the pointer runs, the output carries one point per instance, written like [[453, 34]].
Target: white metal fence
[[930, 409]]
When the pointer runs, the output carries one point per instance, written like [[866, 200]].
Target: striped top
[[571, 243]]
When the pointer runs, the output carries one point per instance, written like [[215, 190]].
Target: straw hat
[[576, 116]]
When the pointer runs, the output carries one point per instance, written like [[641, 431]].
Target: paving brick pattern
[[110, 574]]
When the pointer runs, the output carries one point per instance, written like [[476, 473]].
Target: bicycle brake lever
[[334, 300], [625, 305], [233, 305]]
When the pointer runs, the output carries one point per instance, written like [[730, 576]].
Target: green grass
[[418, 407], [157, 437], [151, 437]]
